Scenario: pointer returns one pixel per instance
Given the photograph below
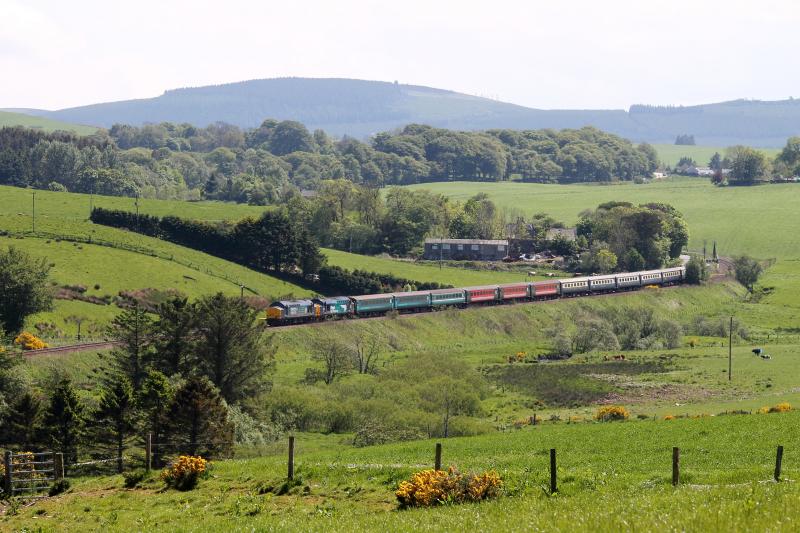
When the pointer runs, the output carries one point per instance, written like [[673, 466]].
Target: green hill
[[89, 255], [8, 118]]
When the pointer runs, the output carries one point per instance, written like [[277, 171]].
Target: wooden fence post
[[291, 458], [676, 460], [7, 480], [148, 452], [778, 461], [437, 464], [553, 486], [58, 466]]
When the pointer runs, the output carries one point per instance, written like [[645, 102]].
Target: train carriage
[[574, 286], [514, 291], [293, 312], [445, 297], [483, 294], [372, 304], [544, 289], [629, 280], [412, 300], [602, 283], [673, 275], [651, 277]]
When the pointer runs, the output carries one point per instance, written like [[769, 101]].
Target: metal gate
[[29, 472]]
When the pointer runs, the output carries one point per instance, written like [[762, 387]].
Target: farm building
[[465, 249]]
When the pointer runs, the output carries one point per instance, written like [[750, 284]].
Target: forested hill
[[361, 108]]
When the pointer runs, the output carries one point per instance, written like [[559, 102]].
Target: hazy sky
[[547, 54]]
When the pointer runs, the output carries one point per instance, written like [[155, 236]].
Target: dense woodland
[[265, 165]]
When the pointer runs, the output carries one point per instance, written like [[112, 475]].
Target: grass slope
[[126, 261], [8, 118], [612, 476]]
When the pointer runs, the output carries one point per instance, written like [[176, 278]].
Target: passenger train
[[287, 312]]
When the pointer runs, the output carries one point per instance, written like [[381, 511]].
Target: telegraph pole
[[34, 212], [730, 350]]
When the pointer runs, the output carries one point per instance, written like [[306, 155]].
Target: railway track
[[73, 348]]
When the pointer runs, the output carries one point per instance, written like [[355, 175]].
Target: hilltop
[[361, 108], [26, 118]]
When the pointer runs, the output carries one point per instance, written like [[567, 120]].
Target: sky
[[567, 54]]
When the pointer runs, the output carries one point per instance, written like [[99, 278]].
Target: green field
[[760, 221], [8, 118], [612, 477], [670, 154]]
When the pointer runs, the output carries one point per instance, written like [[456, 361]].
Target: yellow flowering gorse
[[433, 487], [184, 472], [612, 412], [29, 341]]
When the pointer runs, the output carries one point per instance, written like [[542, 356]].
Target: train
[[288, 312]]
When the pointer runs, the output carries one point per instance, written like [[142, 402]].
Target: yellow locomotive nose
[[273, 312]]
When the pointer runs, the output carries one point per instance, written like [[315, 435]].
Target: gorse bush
[[29, 341], [783, 407], [608, 413], [185, 472], [434, 487]]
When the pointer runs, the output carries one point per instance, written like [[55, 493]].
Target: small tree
[[748, 270], [113, 423], [173, 335], [63, 420], [696, 271], [449, 397], [23, 288], [133, 328], [22, 426], [366, 350], [197, 420], [154, 400], [335, 357]]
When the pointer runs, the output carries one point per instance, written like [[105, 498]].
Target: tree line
[[265, 165], [175, 375]]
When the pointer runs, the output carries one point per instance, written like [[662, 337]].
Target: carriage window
[[475, 247], [445, 247], [435, 246], [460, 246]]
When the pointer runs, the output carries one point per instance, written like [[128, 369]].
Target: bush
[[134, 477], [434, 487], [185, 472], [609, 413], [59, 487], [29, 341], [783, 407]]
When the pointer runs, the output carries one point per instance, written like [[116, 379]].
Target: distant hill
[[24, 117], [360, 108]]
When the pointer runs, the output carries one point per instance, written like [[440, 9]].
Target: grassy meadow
[[670, 154], [612, 477], [8, 118]]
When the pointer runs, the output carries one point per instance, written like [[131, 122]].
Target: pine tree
[[113, 423], [22, 426], [154, 400], [173, 333], [133, 328], [197, 420], [63, 420], [231, 349]]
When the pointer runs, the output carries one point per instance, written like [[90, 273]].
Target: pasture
[[611, 476], [8, 118], [670, 154]]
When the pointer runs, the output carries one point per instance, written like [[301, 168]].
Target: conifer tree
[[63, 420], [113, 423], [22, 426]]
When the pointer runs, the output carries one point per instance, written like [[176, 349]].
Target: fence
[[29, 472]]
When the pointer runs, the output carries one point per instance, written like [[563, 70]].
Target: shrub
[[58, 487], [29, 341], [669, 417], [434, 487], [185, 472], [608, 413], [783, 407], [134, 477]]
